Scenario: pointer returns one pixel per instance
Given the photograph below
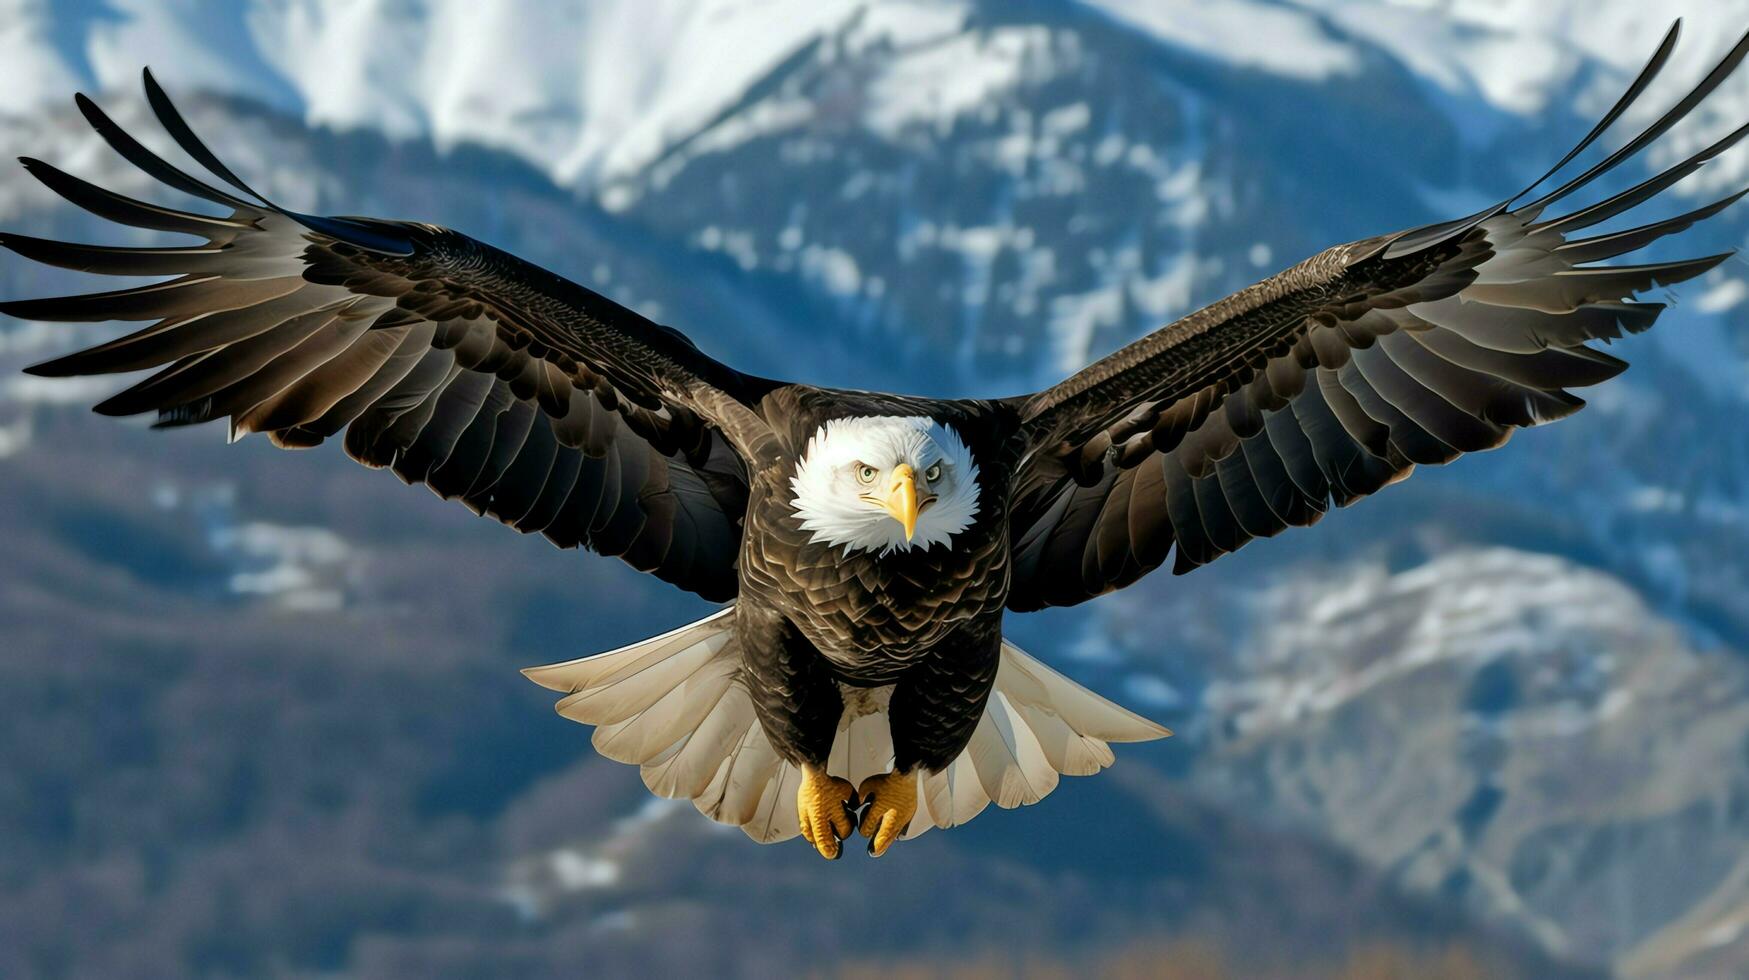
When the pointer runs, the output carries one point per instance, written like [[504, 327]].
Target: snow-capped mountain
[[962, 197], [591, 91], [1583, 742]]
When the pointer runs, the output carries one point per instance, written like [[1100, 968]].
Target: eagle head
[[885, 483]]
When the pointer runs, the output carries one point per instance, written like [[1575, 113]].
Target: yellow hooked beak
[[901, 499]]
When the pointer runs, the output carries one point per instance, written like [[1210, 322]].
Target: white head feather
[[833, 500]]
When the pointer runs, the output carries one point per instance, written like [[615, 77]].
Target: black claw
[[871, 850]]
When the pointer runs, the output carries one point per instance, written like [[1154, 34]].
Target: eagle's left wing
[[526, 396], [1334, 378]]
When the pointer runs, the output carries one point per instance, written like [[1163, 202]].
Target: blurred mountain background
[[261, 711]]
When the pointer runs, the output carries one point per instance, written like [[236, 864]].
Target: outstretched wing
[[1334, 378], [456, 365]]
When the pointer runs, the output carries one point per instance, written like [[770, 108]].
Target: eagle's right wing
[[528, 397], [1335, 378]]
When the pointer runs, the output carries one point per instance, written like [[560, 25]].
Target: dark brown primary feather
[[456, 365], [1335, 378]]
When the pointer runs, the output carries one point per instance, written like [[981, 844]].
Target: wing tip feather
[[57, 367]]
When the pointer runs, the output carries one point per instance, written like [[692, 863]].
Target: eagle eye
[[865, 473], [933, 473]]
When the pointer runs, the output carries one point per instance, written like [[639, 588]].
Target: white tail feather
[[676, 706]]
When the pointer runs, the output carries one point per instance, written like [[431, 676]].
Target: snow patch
[[833, 268], [298, 568], [1326, 641], [36, 75], [1722, 296], [1152, 690], [939, 83], [1268, 37], [538, 880]]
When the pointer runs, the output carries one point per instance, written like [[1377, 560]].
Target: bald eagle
[[867, 545]]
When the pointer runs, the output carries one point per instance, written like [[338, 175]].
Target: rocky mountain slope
[[1511, 731]]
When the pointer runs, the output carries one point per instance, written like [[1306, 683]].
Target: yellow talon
[[824, 804], [892, 802]]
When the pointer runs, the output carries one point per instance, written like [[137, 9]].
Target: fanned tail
[[677, 706], [1037, 726]]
